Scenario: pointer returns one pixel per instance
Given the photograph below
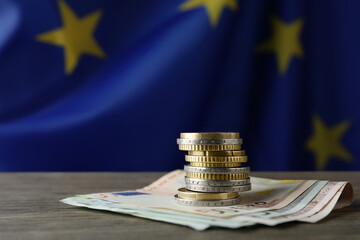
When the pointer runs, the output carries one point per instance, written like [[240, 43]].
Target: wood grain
[[30, 209]]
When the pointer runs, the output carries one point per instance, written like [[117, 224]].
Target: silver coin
[[235, 141], [232, 170], [209, 189], [216, 183], [207, 203]]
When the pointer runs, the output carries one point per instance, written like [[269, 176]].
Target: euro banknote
[[270, 202]]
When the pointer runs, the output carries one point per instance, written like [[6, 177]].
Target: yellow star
[[326, 142], [285, 42], [287, 181], [266, 192], [76, 36], [214, 8]]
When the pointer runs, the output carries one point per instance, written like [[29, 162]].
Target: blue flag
[[109, 85]]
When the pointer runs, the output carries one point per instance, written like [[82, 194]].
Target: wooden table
[[30, 209]]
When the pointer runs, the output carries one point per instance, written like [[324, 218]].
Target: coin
[[206, 203], [217, 153], [215, 159], [233, 170], [233, 141], [208, 189], [221, 164], [216, 183], [215, 176], [187, 147], [210, 135], [186, 194]]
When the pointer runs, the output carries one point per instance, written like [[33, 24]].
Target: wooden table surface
[[30, 209]]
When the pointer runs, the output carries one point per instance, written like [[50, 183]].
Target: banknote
[[269, 202], [308, 204], [266, 194]]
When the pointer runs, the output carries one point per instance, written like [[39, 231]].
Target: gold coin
[[216, 176], [210, 135], [186, 194], [221, 164], [217, 153], [209, 147], [215, 159]]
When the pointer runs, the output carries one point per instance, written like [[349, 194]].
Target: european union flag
[[108, 85]]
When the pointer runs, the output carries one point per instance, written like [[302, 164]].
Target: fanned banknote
[[270, 202]]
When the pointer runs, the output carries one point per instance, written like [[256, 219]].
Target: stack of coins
[[216, 172]]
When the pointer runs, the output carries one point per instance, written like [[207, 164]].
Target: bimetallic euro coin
[[206, 203], [216, 176], [216, 159], [186, 194], [233, 170], [218, 153], [209, 189], [228, 147], [221, 164], [216, 183], [209, 141], [210, 135]]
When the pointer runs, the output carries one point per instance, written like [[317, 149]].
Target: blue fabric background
[[168, 71]]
